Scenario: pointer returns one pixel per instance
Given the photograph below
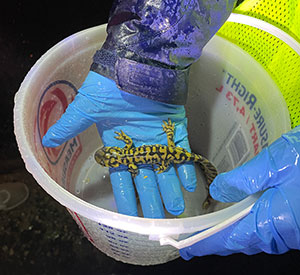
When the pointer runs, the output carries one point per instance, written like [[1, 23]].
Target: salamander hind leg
[[122, 136], [169, 128], [162, 167], [133, 169]]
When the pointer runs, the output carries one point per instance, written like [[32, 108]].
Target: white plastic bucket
[[234, 110]]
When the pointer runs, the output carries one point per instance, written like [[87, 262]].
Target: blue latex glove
[[273, 224], [100, 101]]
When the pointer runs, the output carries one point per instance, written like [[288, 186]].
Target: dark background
[[40, 237]]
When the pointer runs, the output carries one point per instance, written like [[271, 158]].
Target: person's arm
[[151, 44], [138, 79]]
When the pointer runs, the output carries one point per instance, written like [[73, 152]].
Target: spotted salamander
[[160, 155]]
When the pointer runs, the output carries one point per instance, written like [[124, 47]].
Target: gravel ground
[[40, 237]]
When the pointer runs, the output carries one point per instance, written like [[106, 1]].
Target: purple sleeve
[[151, 44]]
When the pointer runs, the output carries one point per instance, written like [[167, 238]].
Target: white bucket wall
[[230, 99]]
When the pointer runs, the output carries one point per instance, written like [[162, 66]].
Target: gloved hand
[[100, 101], [273, 224]]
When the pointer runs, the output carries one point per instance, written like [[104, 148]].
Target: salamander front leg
[[122, 136], [168, 128]]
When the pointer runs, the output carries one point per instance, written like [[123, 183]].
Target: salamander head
[[107, 156]]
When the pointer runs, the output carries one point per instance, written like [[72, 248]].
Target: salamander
[[160, 155]]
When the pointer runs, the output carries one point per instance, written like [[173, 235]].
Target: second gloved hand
[[100, 101], [273, 224]]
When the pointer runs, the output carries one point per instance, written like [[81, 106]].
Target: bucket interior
[[234, 110]]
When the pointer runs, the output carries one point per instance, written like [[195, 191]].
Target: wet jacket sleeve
[[151, 44]]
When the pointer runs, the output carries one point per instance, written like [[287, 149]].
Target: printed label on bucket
[[248, 134], [59, 161]]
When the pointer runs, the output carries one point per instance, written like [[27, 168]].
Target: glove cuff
[[152, 82]]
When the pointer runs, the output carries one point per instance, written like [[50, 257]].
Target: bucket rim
[[146, 226]]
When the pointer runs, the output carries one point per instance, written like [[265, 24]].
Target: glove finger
[[260, 173], [124, 192], [146, 185], [186, 171], [75, 120], [187, 176], [170, 190]]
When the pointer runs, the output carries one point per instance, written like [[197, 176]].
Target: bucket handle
[[168, 240]]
